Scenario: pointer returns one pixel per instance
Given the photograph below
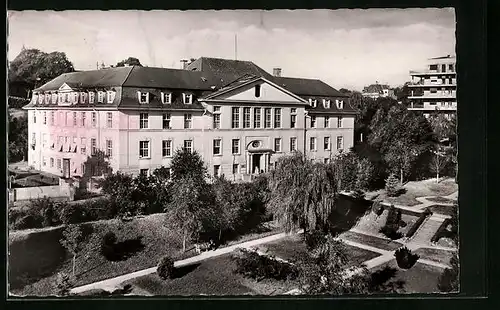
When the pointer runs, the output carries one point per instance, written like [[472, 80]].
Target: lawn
[[445, 210], [410, 220], [416, 189], [147, 238], [441, 200], [384, 244], [213, 276], [436, 255], [293, 248], [420, 278]]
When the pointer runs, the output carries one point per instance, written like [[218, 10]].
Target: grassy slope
[[384, 244], [211, 277], [436, 255]]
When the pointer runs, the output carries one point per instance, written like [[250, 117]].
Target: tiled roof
[[307, 87], [227, 68], [87, 79]]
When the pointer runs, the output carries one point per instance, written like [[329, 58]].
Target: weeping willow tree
[[302, 194]]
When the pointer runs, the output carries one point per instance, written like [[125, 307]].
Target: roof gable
[[65, 87], [244, 89]]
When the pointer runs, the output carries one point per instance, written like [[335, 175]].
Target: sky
[[344, 48]]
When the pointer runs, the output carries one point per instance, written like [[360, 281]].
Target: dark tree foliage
[[37, 68], [449, 279], [391, 227], [253, 265], [131, 61], [186, 164], [166, 269], [405, 258], [18, 138]]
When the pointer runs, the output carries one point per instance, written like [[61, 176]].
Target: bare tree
[[438, 162]]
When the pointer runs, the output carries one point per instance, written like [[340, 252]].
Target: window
[[340, 143], [293, 144], [443, 68], [66, 140], [188, 145], [246, 117], [340, 104], [277, 118], [93, 146], [217, 170], [166, 120], [34, 117], [144, 172], [143, 120], [256, 118], [313, 102], [82, 169], [312, 144], [111, 96], [293, 121], [267, 118], [235, 117], [100, 97], [188, 121], [326, 103], [74, 140], [433, 67], [67, 98], [216, 117], [83, 150], [236, 168], [109, 148], [327, 122], [257, 91], [91, 97], [166, 148], [47, 98], [325, 160], [82, 97], [217, 147], [58, 163], [187, 98], [51, 162], [143, 97], [143, 149], [83, 116], [326, 143], [433, 90], [110, 119], [94, 119], [450, 67], [166, 98], [293, 110], [44, 117], [277, 144], [313, 121], [236, 146], [339, 122]]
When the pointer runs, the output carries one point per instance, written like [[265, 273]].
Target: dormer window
[[35, 98], [313, 102], [91, 97], [83, 97], [257, 91], [143, 97], [75, 97], [166, 98], [187, 98], [47, 98], [40, 99], [326, 103], [60, 97], [340, 104], [110, 96], [100, 96], [54, 98]]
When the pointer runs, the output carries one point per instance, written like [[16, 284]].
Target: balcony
[[431, 72]]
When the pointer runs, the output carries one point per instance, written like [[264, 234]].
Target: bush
[[63, 284], [377, 208], [251, 264], [27, 222], [108, 243], [392, 186], [391, 226], [405, 258], [166, 268], [448, 280], [313, 239]]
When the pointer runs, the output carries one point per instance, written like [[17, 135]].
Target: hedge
[[417, 224]]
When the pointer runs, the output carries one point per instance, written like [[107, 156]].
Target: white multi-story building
[[435, 88], [236, 115]]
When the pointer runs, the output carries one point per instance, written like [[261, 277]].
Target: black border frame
[[472, 118]]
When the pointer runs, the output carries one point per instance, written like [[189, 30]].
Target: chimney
[[277, 72], [184, 63]]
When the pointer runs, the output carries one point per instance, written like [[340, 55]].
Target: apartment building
[[240, 118], [434, 89]]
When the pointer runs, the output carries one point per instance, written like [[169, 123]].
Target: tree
[[392, 187], [37, 68], [96, 165], [186, 164], [121, 188], [302, 193], [438, 162], [18, 138], [449, 280], [131, 61], [365, 172], [189, 208], [72, 241], [347, 166]]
